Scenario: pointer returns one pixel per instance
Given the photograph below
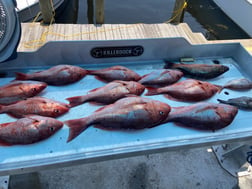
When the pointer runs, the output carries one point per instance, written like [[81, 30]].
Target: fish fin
[[75, 101], [99, 126], [3, 143], [93, 90], [130, 95], [221, 101], [151, 91], [220, 88], [100, 79], [2, 109], [76, 127], [90, 72], [104, 107], [21, 76], [96, 103], [172, 98], [15, 115], [101, 108], [142, 77]]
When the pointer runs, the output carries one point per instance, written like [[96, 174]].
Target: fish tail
[[90, 72], [220, 88], [76, 100], [2, 110], [168, 64], [21, 76], [76, 127], [151, 91]]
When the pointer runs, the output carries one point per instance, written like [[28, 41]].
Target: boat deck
[[34, 35], [134, 171]]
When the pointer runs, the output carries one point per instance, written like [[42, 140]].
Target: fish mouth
[[225, 68], [42, 87]]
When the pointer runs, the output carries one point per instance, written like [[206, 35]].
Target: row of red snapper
[[124, 109]]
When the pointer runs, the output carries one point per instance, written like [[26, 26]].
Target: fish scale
[[28, 130], [203, 115], [199, 71], [109, 93], [138, 113], [35, 105]]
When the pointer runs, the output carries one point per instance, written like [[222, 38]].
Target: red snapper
[[126, 113]]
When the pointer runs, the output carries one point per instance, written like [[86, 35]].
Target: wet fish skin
[[28, 130], [115, 73], [243, 102], [20, 90], [203, 115], [239, 84], [56, 75], [187, 90], [35, 105], [198, 71], [109, 93], [161, 77], [137, 114]]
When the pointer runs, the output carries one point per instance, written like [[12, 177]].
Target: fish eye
[[34, 89], [52, 129], [56, 111], [161, 113]]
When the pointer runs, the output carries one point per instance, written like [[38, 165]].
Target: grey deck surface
[[191, 168]]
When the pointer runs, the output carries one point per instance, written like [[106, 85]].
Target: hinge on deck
[[235, 158], [4, 182]]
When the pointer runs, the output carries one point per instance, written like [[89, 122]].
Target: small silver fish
[[243, 102], [239, 84]]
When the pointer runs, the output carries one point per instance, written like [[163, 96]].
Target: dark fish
[[28, 130], [136, 114], [35, 105], [239, 84], [109, 93], [20, 90], [186, 90], [203, 115], [199, 71], [57, 75], [161, 77], [243, 102], [115, 73]]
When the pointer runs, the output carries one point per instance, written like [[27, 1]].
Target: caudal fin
[[168, 64], [2, 110], [76, 127], [21, 76], [75, 101], [220, 88], [151, 91]]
